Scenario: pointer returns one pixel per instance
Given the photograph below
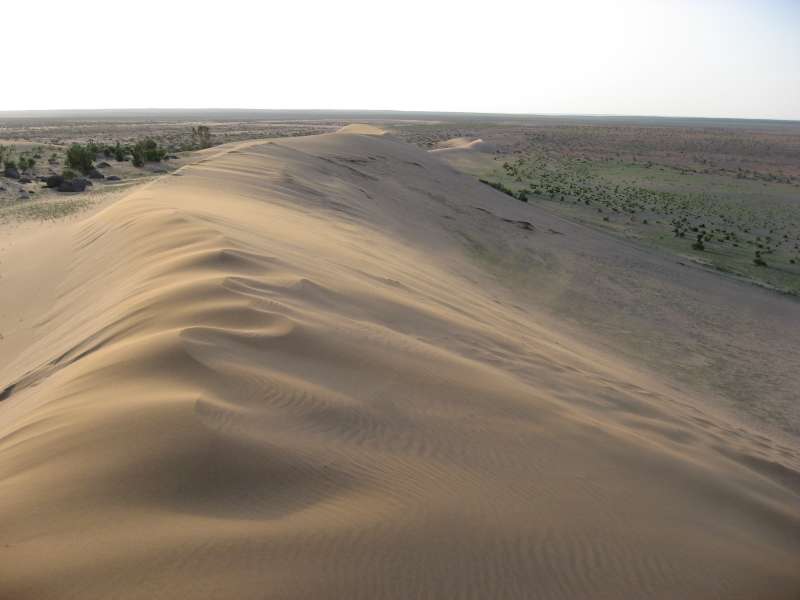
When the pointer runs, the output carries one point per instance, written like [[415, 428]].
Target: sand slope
[[277, 374]]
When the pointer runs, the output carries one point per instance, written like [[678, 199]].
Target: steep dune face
[[276, 375]]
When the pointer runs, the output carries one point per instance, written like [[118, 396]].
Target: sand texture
[[286, 372]]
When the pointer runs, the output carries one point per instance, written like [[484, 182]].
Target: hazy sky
[[731, 58]]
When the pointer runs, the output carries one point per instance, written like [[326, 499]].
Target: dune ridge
[[275, 374], [462, 144]]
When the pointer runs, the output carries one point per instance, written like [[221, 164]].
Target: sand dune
[[462, 144], [277, 374], [362, 128]]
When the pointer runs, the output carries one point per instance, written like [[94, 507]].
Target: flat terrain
[[722, 195], [340, 366]]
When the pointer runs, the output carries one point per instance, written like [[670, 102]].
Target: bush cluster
[[147, 151], [81, 157], [201, 136], [26, 162]]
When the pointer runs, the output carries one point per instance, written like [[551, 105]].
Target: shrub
[[80, 158], [7, 157], [26, 162], [152, 152], [146, 151], [201, 136], [93, 148], [120, 152], [137, 156]]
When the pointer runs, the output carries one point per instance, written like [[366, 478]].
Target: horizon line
[[10, 113]]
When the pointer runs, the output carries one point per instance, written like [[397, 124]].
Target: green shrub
[[152, 153], [80, 158], [147, 151], [26, 162], [120, 152], [93, 148], [7, 156]]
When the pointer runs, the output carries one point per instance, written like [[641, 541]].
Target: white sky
[[729, 58]]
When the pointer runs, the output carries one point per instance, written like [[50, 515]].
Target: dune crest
[[463, 144], [278, 375], [362, 129]]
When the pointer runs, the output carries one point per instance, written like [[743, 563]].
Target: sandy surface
[[286, 371], [461, 144]]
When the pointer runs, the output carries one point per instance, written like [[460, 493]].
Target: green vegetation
[[715, 219], [81, 157], [147, 151], [26, 161], [520, 195], [7, 157], [119, 152]]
